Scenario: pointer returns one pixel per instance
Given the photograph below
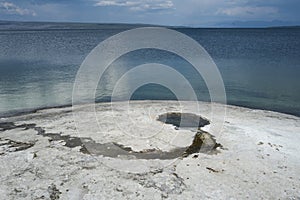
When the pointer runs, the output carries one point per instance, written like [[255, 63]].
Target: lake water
[[260, 67]]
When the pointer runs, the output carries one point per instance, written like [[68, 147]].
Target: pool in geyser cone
[[203, 142], [260, 67]]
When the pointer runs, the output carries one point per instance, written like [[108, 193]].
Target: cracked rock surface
[[44, 156]]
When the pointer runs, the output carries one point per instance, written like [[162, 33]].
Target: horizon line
[[145, 24]]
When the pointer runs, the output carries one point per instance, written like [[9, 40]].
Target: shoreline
[[22, 112]]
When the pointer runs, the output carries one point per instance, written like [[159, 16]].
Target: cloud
[[10, 8], [138, 5], [205, 13], [248, 11]]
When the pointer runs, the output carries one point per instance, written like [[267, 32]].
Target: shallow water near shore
[[260, 67]]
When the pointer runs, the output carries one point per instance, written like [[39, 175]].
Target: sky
[[196, 13]]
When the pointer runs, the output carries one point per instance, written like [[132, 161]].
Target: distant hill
[[257, 24], [13, 25]]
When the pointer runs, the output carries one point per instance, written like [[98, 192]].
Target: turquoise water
[[260, 67]]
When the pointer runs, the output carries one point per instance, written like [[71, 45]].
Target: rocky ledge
[[156, 152]]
